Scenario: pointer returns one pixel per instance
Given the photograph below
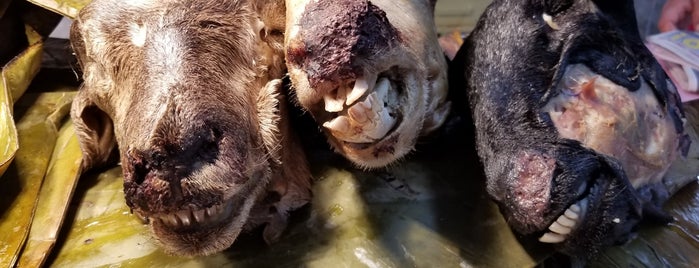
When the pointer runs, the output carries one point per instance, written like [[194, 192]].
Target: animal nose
[[147, 163], [172, 160], [334, 39]]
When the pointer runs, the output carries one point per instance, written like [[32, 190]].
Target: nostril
[[137, 166]]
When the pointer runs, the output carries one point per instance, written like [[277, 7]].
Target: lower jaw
[[211, 237], [373, 155]]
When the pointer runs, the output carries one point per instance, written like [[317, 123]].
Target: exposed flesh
[[630, 126]]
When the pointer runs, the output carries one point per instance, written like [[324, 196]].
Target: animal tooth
[[565, 221], [333, 105], [382, 88], [210, 212], [184, 217], [575, 208], [358, 113], [556, 227], [339, 124], [170, 220], [549, 20], [361, 86], [570, 214], [551, 238], [199, 215]]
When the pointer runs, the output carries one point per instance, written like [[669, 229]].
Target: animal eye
[[208, 24]]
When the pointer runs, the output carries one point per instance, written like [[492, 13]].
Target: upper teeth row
[[336, 100], [368, 120], [565, 223], [188, 217]]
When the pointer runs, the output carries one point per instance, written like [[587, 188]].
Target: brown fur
[[189, 91]]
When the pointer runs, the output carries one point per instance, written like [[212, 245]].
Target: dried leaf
[[37, 130], [421, 213], [54, 198], [15, 77], [68, 8]]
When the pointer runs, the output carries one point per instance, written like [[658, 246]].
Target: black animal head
[[574, 119]]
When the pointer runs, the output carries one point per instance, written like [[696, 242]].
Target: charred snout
[[161, 167], [337, 37]]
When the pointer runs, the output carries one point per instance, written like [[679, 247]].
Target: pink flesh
[[630, 126]]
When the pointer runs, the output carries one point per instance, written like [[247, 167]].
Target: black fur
[[510, 65]]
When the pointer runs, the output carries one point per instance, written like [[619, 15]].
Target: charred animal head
[[576, 123], [370, 72], [185, 89]]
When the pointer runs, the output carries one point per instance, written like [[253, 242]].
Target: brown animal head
[[372, 73], [185, 89]]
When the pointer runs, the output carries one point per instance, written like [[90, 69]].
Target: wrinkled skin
[[371, 73], [576, 123], [186, 91]]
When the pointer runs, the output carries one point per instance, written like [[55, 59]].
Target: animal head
[[184, 90], [370, 72], [576, 122]]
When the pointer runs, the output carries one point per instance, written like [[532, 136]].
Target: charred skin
[[187, 92], [576, 123], [371, 73]]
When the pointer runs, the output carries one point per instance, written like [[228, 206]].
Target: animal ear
[[94, 129], [268, 114]]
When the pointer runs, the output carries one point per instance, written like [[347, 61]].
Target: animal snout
[[335, 39], [154, 174], [173, 160]]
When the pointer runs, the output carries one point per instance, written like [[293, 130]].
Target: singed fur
[[188, 91]]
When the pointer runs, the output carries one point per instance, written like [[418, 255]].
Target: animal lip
[[367, 112], [190, 218]]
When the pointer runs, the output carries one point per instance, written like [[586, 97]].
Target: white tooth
[[551, 238], [549, 20], [340, 124], [333, 105], [570, 214], [382, 88], [184, 217], [616, 220], [565, 221], [559, 228], [361, 85], [575, 208], [358, 113], [200, 215]]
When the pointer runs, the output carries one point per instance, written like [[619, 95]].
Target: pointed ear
[[94, 129]]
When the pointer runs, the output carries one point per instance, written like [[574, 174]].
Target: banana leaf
[[38, 120], [54, 198], [399, 217], [15, 77], [68, 8]]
